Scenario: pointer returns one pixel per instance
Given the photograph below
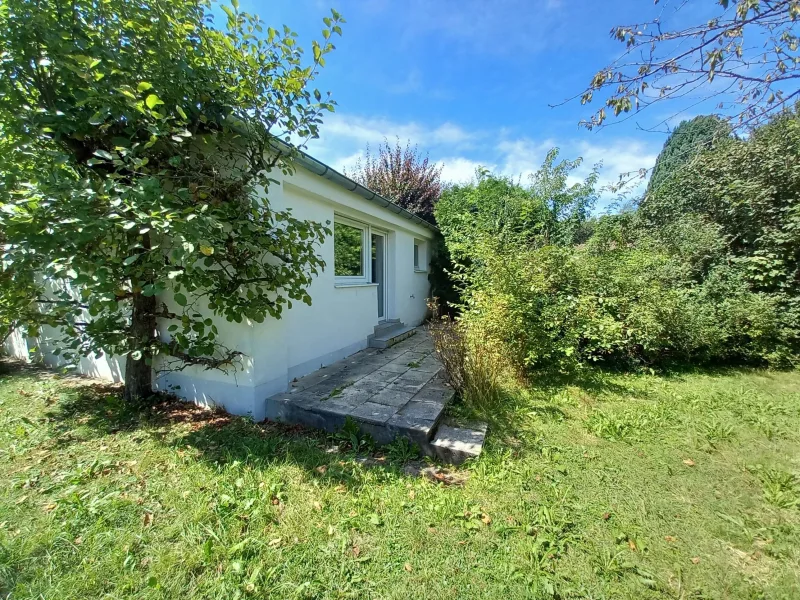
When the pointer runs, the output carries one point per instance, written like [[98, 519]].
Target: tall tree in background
[[686, 141], [750, 50], [137, 147], [403, 175], [749, 188]]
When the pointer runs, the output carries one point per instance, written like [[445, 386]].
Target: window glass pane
[[348, 250], [416, 256]]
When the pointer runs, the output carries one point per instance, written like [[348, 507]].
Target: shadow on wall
[[39, 350]]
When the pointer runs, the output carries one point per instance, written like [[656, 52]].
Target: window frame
[[365, 278], [421, 256]]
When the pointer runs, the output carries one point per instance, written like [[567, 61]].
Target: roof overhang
[[318, 167]]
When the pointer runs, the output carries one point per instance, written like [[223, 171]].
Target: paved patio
[[394, 391]]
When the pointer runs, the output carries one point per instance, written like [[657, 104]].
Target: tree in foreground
[[403, 175], [749, 50], [138, 145]]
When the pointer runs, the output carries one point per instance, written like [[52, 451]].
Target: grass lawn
[[611, 486]]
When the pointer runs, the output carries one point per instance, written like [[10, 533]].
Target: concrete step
[[388, 325], [391, 336], [454, 445]]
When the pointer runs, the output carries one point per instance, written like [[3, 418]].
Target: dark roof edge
[[320, 168]]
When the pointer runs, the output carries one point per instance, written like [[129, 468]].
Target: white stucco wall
[[306, 337], [41, 348], [338, 321]]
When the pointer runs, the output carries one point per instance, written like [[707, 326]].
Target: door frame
[[385, 283]]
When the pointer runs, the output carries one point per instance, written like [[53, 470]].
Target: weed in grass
[[351, 436], [402, 450], [612, 426], [413, 364], [716, 432], [781, 489]]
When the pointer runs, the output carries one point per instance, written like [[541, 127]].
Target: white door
[[378, 253]]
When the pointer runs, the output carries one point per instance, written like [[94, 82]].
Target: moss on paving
[[678, 486]]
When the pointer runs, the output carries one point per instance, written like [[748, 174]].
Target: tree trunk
[[139, 373]]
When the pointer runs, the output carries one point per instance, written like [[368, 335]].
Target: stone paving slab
[[372, 412], [457, 444], [391, 392]]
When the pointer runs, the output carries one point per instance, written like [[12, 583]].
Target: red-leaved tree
[[403, 175]]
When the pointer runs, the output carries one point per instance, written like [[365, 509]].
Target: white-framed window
[[420, 256], [350, 251]]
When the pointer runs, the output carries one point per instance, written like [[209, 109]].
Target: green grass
[[682, 486]]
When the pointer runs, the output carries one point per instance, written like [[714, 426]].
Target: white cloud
[[523, 156], [457, 169], [348, 163], [372, 130], [461, 151], [620, 159]]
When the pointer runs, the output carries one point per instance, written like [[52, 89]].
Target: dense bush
[[704, 275], [557, 306]]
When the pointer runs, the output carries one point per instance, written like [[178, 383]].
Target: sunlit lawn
[[681, 486]]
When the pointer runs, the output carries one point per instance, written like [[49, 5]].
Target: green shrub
[[546, 286], [558, 306]]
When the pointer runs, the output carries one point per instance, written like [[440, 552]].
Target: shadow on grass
[[84, 410]]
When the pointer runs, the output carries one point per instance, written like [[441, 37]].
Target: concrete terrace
[[397, 391]]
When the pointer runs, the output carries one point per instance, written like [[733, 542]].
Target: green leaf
[[103, 154], [130, 260], [152, 101], [180, 299], [144, 86], [98, 118]]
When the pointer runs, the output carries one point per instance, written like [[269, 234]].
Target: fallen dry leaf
[[606, 516], [695, 560], [274, 543], [317, 505], [322, 469], [632, 545], [487, 520], [356, 551], [78, 541], [50, 507], [688, 462], [147, 519], [670, 538], [407, 567]]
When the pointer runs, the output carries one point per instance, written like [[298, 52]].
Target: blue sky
[[471, 81]]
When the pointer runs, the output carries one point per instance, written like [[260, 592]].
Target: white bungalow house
[[387, 288]]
